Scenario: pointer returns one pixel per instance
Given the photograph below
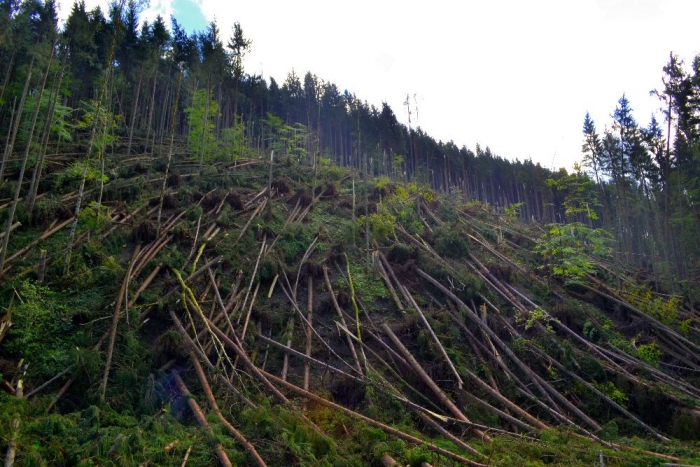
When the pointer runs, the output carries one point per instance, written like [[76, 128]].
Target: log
[[215, 407], [542, 385], [236, 347], [115, 322], [386, 428], [201, 419], [309, 329], [342, 319], [388, 461], [431, 384]]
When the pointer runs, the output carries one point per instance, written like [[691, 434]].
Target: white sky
[[515, 75]]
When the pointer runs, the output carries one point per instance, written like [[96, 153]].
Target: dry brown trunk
[[309, 329], [201, 419], [431, 384], [372, 422], [215, 407], [115, 322]]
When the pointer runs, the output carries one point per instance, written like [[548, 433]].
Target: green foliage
[[102, 120], [201, 117], [538, 315], [664, 310], [650, 353], [95, 217], [451, 242], [232, 141], [287, 140], [513, 211], [590, 332], [42, 332], [294, 241], [381, 224], [567, 249], [60, 122], [613, 392], [75, 171], [367, 286], [580, 196]]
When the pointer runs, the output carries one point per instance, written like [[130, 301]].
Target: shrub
[[450, 242], [42, 331]]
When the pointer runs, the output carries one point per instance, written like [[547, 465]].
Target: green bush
[[451, 242], [42, 332]]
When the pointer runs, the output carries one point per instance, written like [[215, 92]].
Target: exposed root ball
[[345, 203], [343, 298], [312, 268], [303, 195], [145, 232], [401, 253], [379, 193], [234, 200], [500, 272], [335, 254], [211, 201], [371, 208], [173, 180], [169, 201], [281, 186], [347, 393], [196, 196], [327, 190], [140, 168]]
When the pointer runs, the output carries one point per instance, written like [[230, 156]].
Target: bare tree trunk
[[38, 167], [133, 113], [170, 153], [20, 177], [17, 119], [115, 322]]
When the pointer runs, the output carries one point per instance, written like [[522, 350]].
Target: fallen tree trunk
[[215, 407], [372, 422], [201, 419], [431, 384]]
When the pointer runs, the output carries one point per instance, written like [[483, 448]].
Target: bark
[[431, 384], [17, 118], [215, 407], [389, 430], [115, 322], [201, 419]]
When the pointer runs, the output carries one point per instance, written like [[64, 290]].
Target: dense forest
[[130, 147]]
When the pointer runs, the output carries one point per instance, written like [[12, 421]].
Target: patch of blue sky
[[189, 15]]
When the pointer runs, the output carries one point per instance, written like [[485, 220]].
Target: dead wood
[[289, 332], [430, 383], [412, 302], [542, 386], [235, 345], [600, 394], [372, 422], [342, 319], [215, 407], [115, 322], [309, 329], [307, 358], [388, 461], [201, 419]]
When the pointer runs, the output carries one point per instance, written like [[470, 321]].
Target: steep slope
[[328, 320]]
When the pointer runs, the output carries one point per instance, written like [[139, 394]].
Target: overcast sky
[[517, 76]]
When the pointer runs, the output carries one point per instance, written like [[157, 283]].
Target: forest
[[174, 226]]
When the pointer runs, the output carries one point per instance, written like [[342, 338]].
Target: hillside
[[329, 321], [198, 267]]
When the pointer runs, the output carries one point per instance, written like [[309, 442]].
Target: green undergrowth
[[145, 421]]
